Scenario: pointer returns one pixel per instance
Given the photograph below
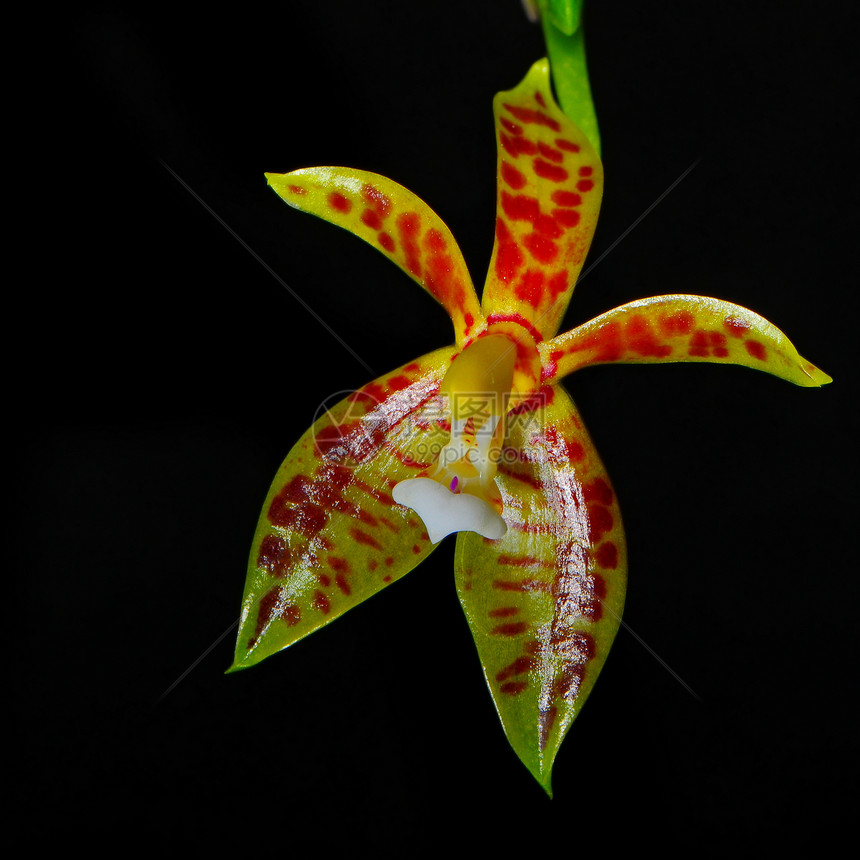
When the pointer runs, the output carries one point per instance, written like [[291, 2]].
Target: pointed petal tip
[[817, 377]]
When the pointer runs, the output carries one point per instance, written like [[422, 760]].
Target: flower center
[[460, 494]]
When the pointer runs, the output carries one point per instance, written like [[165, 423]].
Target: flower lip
[[444, 512]]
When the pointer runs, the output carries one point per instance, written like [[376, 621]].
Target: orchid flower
[[479, 437]]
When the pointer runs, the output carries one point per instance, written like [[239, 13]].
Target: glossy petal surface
[[544, 602], [550, 181], [330, 534], [396, 221], [680, 328]]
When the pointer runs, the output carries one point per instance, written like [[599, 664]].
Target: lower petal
[[544, 602], [330, 534]]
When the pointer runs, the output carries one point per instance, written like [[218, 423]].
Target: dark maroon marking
[[530, 116], [377, 200], [554, 173], [566, 145], [570, 680], [389, 561], [511, 628], [416, 549], [339, 564], [325, 579], [566, 217], [519, 667], [308, 519], [598, 491], [736, 327], [566, 198], [540, 99], [361, 537], [321, 602], [519, 560], [372, 564], [503, 612], [386, 241], [599, 522], [549, 152], [534, 482], [756, 349], [342, 584], [271, 609], [274, 555], [513, 688], [585, 185], [607, 555], [547, 720], [297, 189], [586, 171], [338, 201]]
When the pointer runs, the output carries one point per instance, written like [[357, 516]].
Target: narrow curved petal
[[330, 534], [550, 181], [544, 602], [679, 328], [393, 219]]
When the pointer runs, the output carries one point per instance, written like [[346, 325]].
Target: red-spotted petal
[[679, 328], [330, 534], [550, 182], [544, 602], [401, 225]]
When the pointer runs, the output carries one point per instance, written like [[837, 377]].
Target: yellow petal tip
[[816, 376]]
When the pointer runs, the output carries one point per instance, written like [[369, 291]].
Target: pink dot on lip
[[454, 481]]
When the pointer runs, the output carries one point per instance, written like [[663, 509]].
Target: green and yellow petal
[[550, 181], [544, 602], [330, 534], [398, 223], [679, 328]]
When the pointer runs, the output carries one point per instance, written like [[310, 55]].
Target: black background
[[168, 374]]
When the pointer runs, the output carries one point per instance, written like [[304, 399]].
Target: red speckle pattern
[[544, 218], [666, 328], [336, 509], [402, 226]]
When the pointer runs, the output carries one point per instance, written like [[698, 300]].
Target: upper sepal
[[550, 182], [398, 223], [330, 534]]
